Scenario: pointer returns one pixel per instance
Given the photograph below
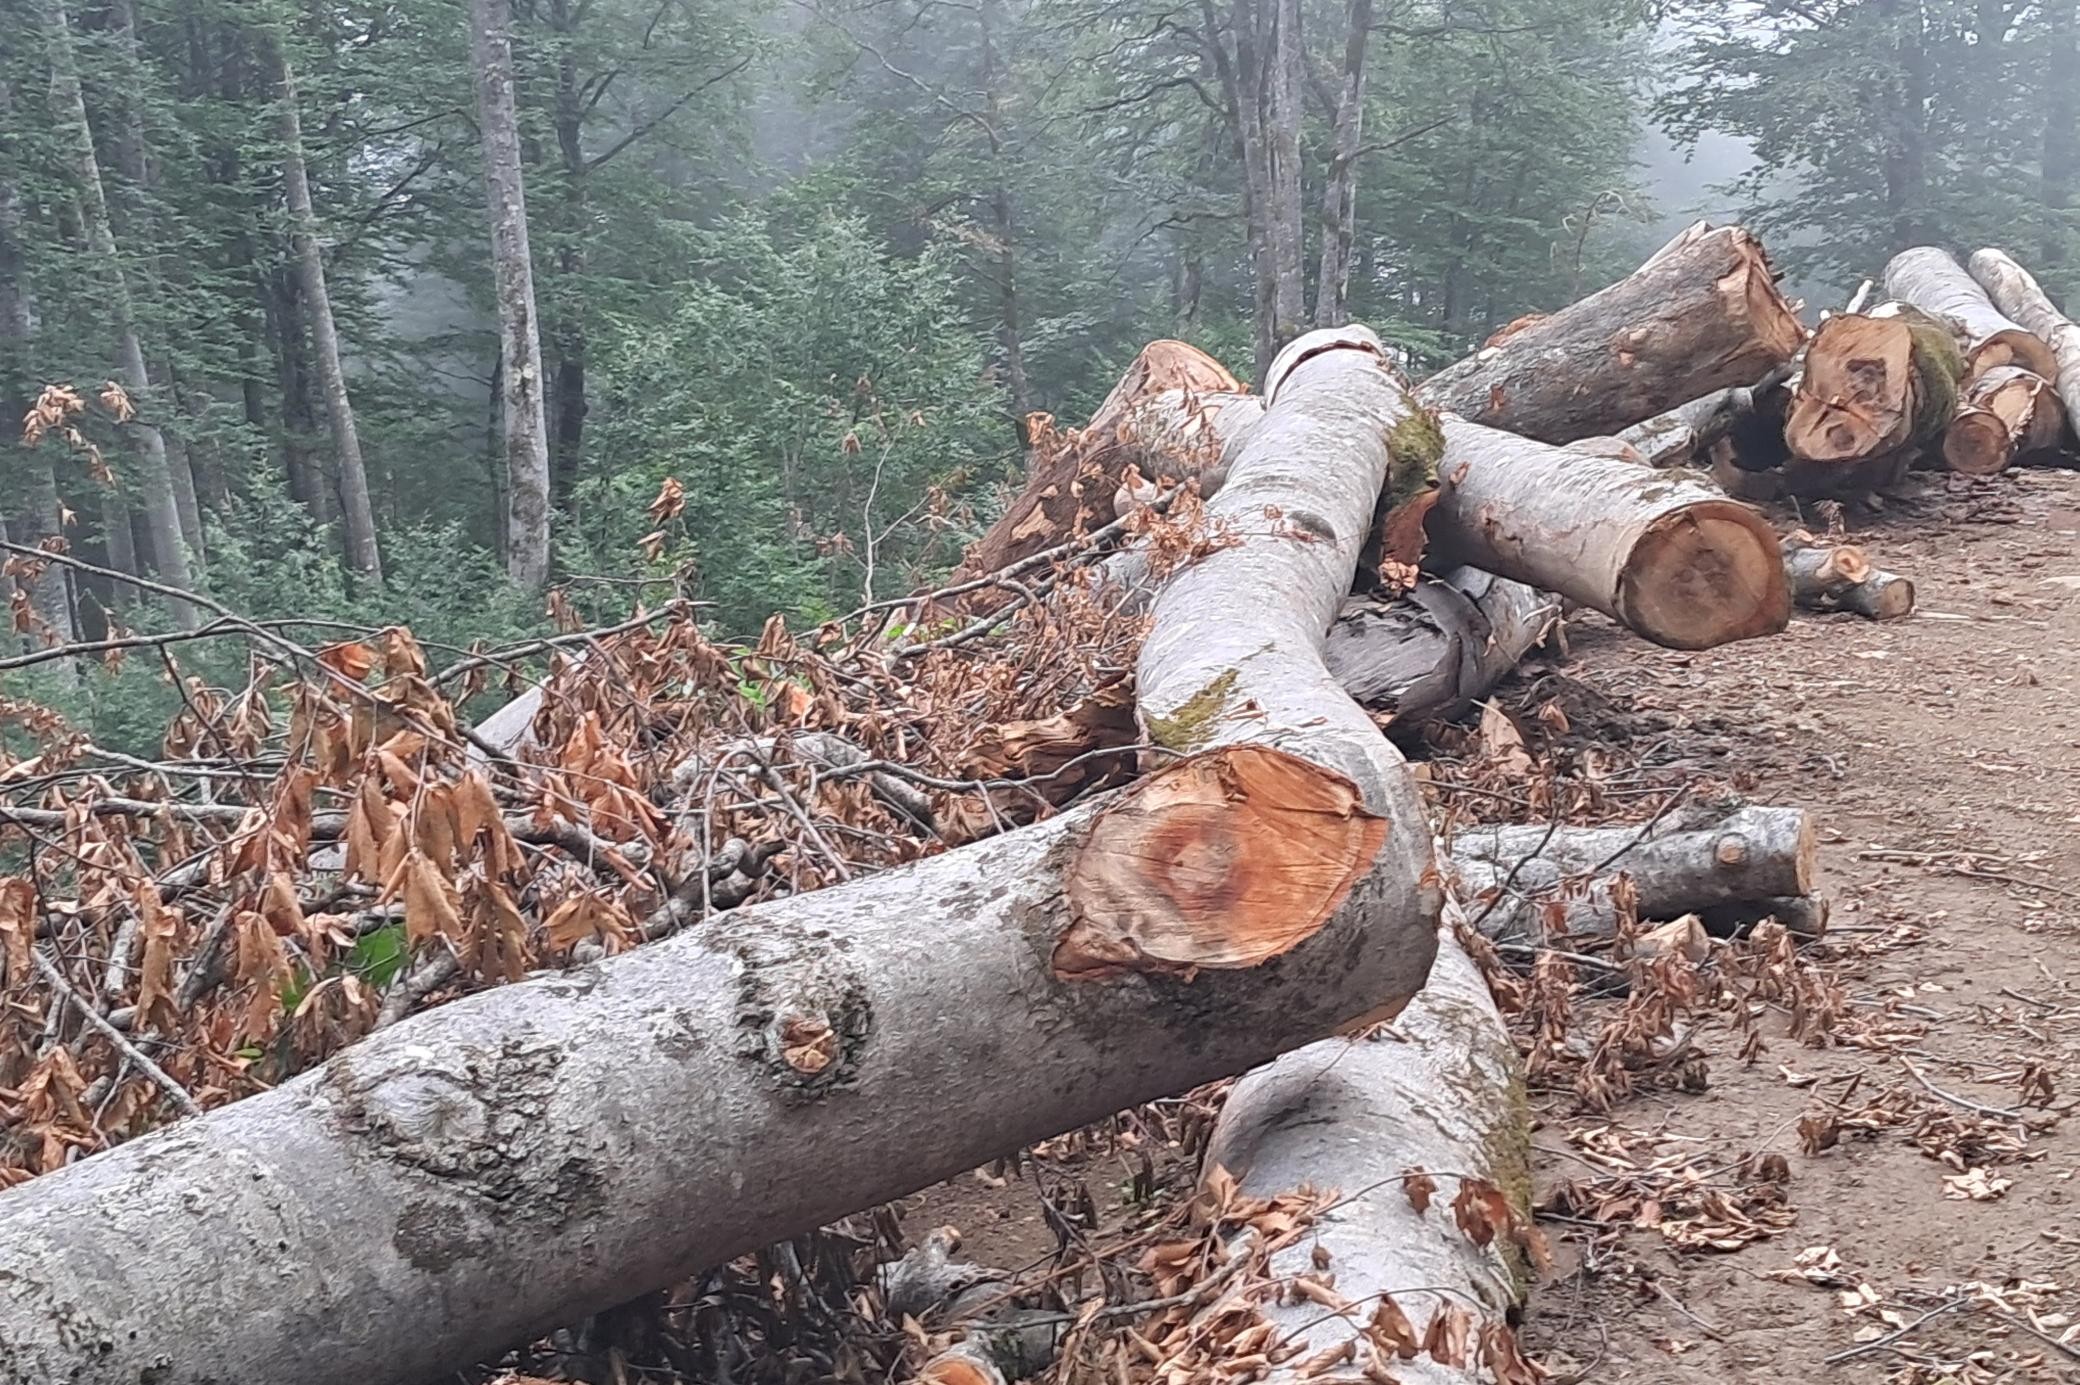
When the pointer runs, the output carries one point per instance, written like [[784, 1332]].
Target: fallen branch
[[1838, 577]]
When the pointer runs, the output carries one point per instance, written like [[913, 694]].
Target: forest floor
[[1940, 756]]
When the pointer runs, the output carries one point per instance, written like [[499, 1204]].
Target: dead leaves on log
[[1222, 860]]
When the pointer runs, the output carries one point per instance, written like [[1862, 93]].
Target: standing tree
[[69, 109], [512, 272], [363, 553]]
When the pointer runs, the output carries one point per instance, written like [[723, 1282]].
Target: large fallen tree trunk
[[2007, 413], [1932, 281], [1672, 559], [1436, 650], [2015, 292], [470, 1177], [1877, 387], [1424, 1132], [1703, 314]]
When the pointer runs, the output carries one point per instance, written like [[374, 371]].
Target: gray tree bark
[[1340, 187], [1932, 281], [69, 110], [1442, 1092], [2014, 290], [1703, 314], [358, 514], [1673, 560], [33, 507], [470, 1177], [1436, 650], [526, 441]]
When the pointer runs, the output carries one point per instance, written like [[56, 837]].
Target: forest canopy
[[791, 279]]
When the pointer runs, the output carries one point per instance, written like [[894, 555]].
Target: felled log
[[476, 1174], [2007, 413], [1703, 314], [1424, 1131], [1434, 651], [1167, 420], [1932, 281], [2014, 290], [1521, 884], [1674, 560], [1876, 388], [1687, 432], [1838, 577]]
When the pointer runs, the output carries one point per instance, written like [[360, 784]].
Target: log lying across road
[[1703, 314], [477, 1174], [2014, 290]]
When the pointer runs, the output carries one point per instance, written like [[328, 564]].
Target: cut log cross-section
[[2015, 291], [1876, 389], [1838, 577], [1703, 314], [1930, 279], [1674, 560], [472, 1176], [2007, 413]]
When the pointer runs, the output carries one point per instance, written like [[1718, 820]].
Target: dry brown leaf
[[432, 908]]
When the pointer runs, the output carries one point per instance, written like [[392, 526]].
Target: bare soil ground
[[1917, 1170], [1941, 756]]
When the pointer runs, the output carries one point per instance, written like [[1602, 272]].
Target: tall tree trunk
[[1906, 133], [2061, 160], [520, 348], [1283, 113], [568, 403], [141, 229], [69, 109], [1004, 229], [1340, 189], [32, 501], [363, 555], [282, 301]]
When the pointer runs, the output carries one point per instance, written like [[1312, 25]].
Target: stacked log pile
[[1195, 856]]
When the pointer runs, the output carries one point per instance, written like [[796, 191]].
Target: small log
[[474, 1175], [1838, 577], [1520, 883], [2016, 292], [1424, 1131], [1674, 560], [1434, 651], [1703, 314], [1932, 281], [2007, 413]]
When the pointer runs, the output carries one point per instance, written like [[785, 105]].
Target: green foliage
[[810, 392]]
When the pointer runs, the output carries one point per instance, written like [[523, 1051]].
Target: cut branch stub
[[1222, 860]]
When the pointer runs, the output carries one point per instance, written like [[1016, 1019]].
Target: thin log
[[1674, 560], [1930, 279], [1520, 883], [2014, 290], [1838, 577], [1439, 648], [1703, 314], [2007, 414], [471, 1176], [1440, 1092]]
